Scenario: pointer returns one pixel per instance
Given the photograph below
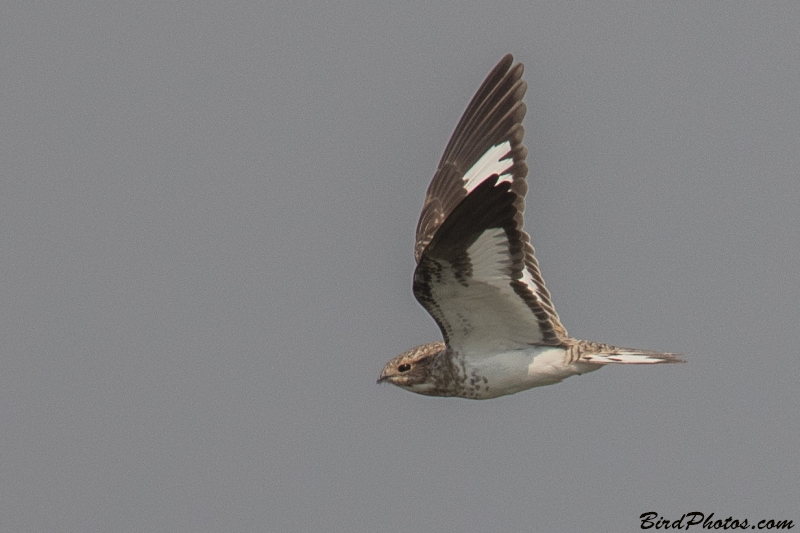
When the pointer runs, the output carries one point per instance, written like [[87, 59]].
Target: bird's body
[[493, 374], [476, 271]]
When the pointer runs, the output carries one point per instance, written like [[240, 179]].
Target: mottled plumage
[[476, 271]]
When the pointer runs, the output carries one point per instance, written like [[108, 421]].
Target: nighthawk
[[476, 272]]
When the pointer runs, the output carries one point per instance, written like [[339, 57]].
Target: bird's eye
[[405, 367]]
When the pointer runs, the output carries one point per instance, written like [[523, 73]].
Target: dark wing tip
[[493, 115]]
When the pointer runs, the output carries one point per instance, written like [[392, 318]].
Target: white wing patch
[[489, 164]]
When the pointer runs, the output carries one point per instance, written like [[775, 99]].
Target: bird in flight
[[476, 272]]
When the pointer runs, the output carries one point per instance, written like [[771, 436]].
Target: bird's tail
[[629, 356]]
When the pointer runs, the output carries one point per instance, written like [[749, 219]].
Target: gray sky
[[207, 223]]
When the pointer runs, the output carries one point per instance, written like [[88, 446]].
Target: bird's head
[[412, 370]]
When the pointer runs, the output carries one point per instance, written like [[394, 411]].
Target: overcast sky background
[[206, 231]]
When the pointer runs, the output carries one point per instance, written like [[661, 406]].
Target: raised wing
[[487, 131], [476, 273]]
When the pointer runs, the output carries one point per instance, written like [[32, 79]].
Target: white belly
[[517, 370]]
